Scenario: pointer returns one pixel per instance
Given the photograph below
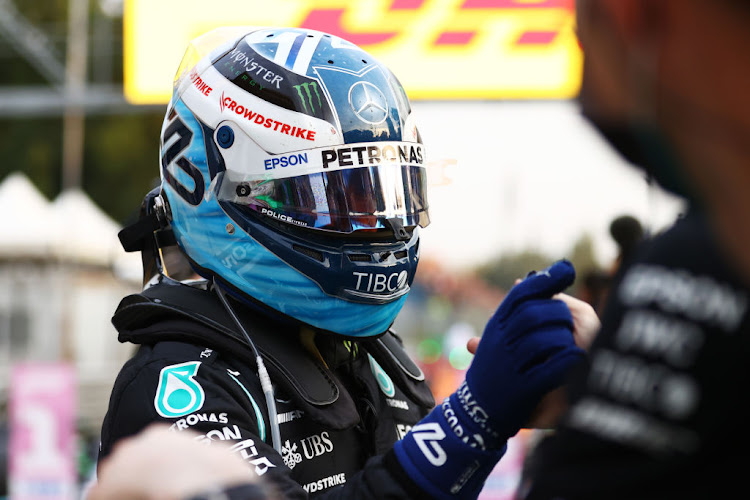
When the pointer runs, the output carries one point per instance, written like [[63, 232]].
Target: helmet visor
[[331, 196]]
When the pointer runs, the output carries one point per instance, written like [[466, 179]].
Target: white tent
[[71, 229], [89, 235], [59, 264], [27, 227]]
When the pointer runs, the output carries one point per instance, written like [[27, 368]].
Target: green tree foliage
[[34, 147], [120, 151], [121, 156], [503, 270], [49, 16], [582, 255], [121, 161]]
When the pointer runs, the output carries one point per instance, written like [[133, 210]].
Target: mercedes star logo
[[368, 103]]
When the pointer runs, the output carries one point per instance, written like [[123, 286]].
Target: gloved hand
[[526, 349]]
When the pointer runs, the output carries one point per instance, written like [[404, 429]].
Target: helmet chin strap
[[265, 380], [149, 234]]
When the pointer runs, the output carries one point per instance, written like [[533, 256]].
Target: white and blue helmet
[[295, 176]]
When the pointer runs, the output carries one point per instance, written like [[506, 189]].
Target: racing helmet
[[294, 176]]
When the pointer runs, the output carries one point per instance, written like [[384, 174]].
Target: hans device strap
[[173, 311]]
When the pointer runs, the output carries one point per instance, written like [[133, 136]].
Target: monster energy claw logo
[[178, 393], [307, 97]]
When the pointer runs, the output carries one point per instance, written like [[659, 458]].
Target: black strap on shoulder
[[389, 352], [174, 311]]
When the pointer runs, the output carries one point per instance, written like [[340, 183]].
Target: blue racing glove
[[526, 350]]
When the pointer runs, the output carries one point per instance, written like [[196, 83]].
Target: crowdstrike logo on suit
[[325, 483]]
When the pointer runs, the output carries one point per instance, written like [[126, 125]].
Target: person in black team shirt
[[293, 184], [659, 411]]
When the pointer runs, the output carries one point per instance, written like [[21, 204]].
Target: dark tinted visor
[[343, 200]]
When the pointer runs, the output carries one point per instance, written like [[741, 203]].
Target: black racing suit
[[660, 411], [338, 419]]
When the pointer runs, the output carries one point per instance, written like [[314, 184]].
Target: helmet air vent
[[313, 254], [359, 257]]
